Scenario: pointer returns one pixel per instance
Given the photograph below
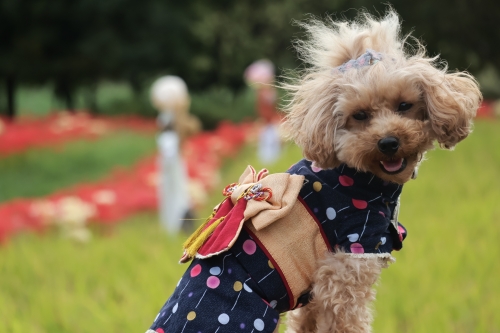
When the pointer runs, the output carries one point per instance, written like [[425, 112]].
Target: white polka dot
[[331, 213], [258, 324], [247, 288], [273, 304], [383, 240], [353, 237], [215, 270], [174, 310], [223, 319]]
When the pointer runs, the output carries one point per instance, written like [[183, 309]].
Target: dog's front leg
[[342, 295], [301, 320]]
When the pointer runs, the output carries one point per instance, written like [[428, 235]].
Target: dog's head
[[372, 102]]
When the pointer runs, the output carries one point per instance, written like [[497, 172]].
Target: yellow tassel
[[196, 242], [197, 232]]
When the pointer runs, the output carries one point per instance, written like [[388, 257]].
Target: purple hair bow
[[368, 58]]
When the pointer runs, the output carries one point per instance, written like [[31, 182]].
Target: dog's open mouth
[[394, 166]]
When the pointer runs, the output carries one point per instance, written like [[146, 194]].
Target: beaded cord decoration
[[255, 192]]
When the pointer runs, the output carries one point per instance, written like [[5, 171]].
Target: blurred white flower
[[73, 210], [104, 197], [72, 216]]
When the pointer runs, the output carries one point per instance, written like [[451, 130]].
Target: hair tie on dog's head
[[368, 58]]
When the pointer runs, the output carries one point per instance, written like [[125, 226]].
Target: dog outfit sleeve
[[368, 233], [214, 295]]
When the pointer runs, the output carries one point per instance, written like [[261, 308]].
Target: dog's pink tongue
[[392, 166]]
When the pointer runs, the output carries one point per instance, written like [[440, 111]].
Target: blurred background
[[81, 248]]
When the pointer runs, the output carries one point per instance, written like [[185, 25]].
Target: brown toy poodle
[[314, 240]]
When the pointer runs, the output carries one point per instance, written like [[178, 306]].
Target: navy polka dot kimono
[[240, 291]]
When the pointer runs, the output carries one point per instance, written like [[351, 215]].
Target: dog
[[313, 240]]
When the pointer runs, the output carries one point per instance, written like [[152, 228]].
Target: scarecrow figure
[[169, 95], [260, 76]]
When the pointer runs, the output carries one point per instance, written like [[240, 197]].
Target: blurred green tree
[[77, 43], [209, 43]]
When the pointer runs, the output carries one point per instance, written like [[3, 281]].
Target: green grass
[[50, 284], [445, 278], [39, 172]]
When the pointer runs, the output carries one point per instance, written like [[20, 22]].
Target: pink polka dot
[[346, 180], [159, 330], [195, 270], [315, 168], [249, 247], [381, 213], [401, 233], [359, 204], [213, 282], [357, 248]]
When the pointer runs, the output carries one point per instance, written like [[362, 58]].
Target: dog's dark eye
[[404, 107], [360, 115]]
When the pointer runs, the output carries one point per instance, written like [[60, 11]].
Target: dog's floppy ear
[[311, 120], [452, 101]]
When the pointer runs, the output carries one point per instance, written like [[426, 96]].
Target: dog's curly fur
[[320, 110], [323, 101]]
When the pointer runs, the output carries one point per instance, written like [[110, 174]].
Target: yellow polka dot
[[317, 186], [270, 264], [191, 315], [237, 286]]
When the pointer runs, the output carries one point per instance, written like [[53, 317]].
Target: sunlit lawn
[[445, 278]]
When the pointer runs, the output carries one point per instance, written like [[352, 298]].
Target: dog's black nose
[[388, 145]]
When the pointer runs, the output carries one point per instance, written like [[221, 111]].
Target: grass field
[[39, 172], [445, 279]]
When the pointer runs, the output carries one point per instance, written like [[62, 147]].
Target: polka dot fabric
[[354, 209], [240, 290], [266, 280], [217, 295]]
